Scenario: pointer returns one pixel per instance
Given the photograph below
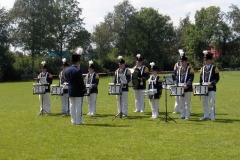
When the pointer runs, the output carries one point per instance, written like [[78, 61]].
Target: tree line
[[38, 27]]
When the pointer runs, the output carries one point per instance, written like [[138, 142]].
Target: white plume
[[79, 51], [138, 55], [205, 52], [120, 57], [90, 62], [181, 52], [152, 64], [43, 62], [64, 60]]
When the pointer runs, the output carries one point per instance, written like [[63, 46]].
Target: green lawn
[[25, 136]]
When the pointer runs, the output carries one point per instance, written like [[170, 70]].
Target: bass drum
[[135, 77]]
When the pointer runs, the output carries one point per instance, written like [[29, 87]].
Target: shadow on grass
[[107, 125]]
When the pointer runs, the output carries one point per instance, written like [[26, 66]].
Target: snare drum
[[150, 92], [38, 88], [115, 89], [176, 91], [199, 89], [57, 90]]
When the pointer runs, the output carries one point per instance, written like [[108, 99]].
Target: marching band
[[72, 87]]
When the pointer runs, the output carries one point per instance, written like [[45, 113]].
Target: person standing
[[123, 77], [185, 77], [92, 81], [155, 83], [209, 75], [64, 86], [76, 88], [177, 107], [45, 79], [138, 90]]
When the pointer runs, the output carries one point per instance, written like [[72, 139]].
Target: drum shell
[[200, 90], [176, 91], [57, 90], [114, 89], [39, 88]]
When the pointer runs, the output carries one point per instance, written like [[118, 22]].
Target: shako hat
[[120, 60]]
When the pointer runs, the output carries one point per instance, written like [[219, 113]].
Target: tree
[[30, 26], [151, 35], [207, 32], [4, 45], [117, 24], [66, 23], [102, 40]]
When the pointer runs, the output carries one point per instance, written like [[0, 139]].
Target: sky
[[94, 11]]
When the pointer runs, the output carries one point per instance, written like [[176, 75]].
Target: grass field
[[25, 136]]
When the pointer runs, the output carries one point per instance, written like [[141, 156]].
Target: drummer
[[64, 86], [155, 83], [45, 79], [209, 75], [185, 76], [122, 76], [92, 81], [139, 90]]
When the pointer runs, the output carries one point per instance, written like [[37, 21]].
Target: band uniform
[[209, 74], [92, 80], [122, 100], [139, 90], [76, 88], [46, 81], [185, 77], [155, 82], [64, 86]]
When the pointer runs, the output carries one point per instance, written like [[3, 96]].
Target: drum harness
[[141, 69], [185, 74], [203, 75], [119, 70]]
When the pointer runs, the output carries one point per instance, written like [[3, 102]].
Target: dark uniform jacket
[[185, 75], [48, 81], [62, 80], [210, 74], [94, 80], [155, 82], [117, 78], [144, 74], [76, 86]]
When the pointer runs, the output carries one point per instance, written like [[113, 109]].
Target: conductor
[[76, 88]]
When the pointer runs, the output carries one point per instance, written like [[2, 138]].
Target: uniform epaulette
[[146, 70], [97, 76], [201, 70], [216, 70], [191, 70], [175, 66], [160, 79]]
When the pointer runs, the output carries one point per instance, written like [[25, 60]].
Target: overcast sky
[[94, 11]]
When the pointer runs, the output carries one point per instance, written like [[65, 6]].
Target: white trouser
[[122, 102], [177, 107], [64, 102], [185, 104], [76, 109], [155, 107], [45, 102], [139, 99], [210, 98], [91, 100]]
